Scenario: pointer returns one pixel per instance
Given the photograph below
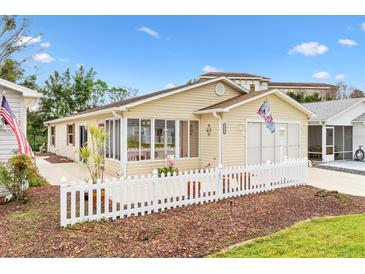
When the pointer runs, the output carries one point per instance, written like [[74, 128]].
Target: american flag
[[10, 120], [265, 113]]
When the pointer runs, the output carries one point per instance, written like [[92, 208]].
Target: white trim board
[[152, 98], [27, 92], [277, 92]]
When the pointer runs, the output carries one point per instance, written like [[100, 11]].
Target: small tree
[[312, 98], [19, 173], [94, 155], [296, 96]]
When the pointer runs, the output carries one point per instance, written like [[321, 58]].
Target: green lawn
[[342, 236]]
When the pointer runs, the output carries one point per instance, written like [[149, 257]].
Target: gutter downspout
[[219, 138], [122, 167]]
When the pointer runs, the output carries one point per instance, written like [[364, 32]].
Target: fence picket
[[152, 193]]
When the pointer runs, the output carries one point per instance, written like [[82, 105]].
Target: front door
[[330, 144]]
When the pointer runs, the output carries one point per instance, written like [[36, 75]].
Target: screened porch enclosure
[[156, 139], [330, 143]]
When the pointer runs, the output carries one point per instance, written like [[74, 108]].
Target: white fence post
[[219, 185], [153, 193], [63, 202], [154, 197]]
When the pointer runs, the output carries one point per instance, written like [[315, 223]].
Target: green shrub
[[19, 172], [166, 170]]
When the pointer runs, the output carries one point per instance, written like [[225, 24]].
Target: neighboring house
[[337, 130], [202, 124], [19, 99], [255, 82]]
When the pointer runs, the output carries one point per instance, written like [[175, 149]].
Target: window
[[252, 87], [160, 139], [71, 134], [112, 146], [145, 139], [189, 139], [157, 139], [164, 139], [139, 139], [53, 136]]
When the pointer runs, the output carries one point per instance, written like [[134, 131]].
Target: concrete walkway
[[343, 182], [54, 172]]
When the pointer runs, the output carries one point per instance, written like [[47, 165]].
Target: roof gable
[[27, 92], [140, 100], [240, 100]]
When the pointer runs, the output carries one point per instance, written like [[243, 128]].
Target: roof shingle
[[327, 110], [232, 74], [298, 84]]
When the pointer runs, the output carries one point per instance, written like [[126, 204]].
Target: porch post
[[123, 146], [324, 143]]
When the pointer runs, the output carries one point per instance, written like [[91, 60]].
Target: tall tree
[[343, 90], [15, 37], [67, 93]]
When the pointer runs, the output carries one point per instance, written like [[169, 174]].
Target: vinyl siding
[[8, 143], [234, 141], [181, 106], [209, 144], [61, 147], [139, 168]]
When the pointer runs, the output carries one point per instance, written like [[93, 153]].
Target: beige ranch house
[[203, 124]]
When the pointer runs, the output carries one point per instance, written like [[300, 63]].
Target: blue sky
[[150, 52]]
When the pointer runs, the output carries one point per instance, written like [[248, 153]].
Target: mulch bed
[[55, 159], [32, 229]]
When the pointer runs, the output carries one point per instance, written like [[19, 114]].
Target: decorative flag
[[264, 112], [10, 121]]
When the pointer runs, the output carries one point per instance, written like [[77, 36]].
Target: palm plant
[[94, 155]]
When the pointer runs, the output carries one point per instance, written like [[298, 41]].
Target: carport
[[337, 130]]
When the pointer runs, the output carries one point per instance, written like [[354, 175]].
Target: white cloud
[[63, 60], [43, 57], [209, 68], [309, 49], [363, 26], [80, 65], [340, 76], [347, 42], [29, 40], [169, 85], [45, 45], [149, 31], [321, 75]]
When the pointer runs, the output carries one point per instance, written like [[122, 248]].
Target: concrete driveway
[[343, 182], [54, 172]]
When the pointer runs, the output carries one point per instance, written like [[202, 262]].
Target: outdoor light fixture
[[209, 129], [224, 128], [281, 131]]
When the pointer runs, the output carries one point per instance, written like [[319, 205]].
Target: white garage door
[[263, 145]]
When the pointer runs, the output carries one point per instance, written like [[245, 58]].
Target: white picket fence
[[147, 194]]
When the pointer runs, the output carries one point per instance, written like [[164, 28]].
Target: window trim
[[114, 158], [71, 134], [53, 135], [177, 138]]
